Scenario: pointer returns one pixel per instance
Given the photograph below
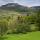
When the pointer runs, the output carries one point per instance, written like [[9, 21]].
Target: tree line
[[22, 24]]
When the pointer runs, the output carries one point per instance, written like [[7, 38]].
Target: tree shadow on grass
[[3, 38]]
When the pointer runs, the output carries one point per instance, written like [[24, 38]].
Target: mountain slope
[[14, 7]]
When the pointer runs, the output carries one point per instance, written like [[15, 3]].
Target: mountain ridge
[[18, 8]]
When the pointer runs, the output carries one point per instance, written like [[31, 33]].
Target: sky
[[28, 3]]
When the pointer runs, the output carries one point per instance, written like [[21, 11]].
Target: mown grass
[[28, 36]]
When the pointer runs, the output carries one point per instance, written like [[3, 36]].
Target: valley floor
[[28, 36]]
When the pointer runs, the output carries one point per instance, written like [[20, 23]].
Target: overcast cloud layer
[[22, 2]]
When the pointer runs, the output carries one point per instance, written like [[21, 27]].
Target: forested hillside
[[15, 19]]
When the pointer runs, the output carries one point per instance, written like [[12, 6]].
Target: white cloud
[[22, 2]]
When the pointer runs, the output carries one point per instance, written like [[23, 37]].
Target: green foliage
[[3, 27], [38, 19], [20, 23]]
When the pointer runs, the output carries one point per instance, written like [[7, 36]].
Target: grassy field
[[28, 36]]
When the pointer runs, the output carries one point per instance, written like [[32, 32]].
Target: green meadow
[[28, 36]]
